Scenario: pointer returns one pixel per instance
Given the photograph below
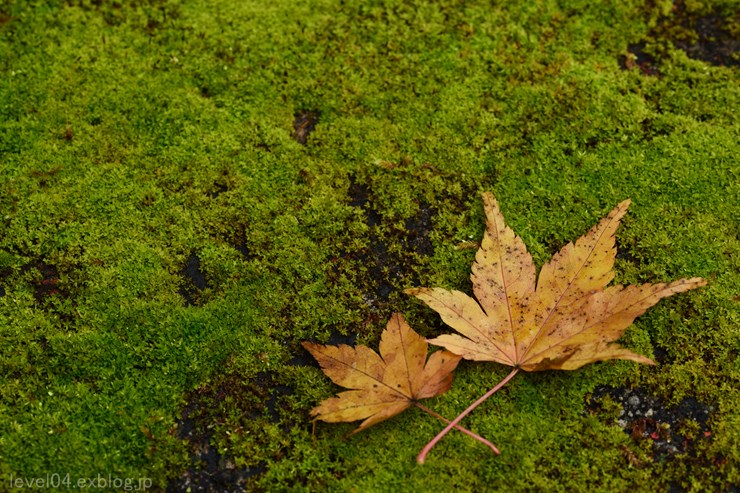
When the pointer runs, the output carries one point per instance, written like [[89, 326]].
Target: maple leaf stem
[[460, 428], [423, 454]]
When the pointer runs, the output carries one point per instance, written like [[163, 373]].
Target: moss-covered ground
[[189, 189]]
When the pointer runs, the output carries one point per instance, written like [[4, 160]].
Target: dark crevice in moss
[[46, 177], [243, 248], [652, 129], [218, 189], [304, 123], [661, 355], [359, 196], [624, 251], [303, 358], [5, 18], [194, 281], [638, 58], [336, 339], [232, 229]]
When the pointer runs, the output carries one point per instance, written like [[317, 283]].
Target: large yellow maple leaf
[[565, 319]]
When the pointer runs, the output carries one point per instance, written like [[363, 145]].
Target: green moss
[[139, 136]]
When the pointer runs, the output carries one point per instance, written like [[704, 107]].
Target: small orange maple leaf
[[387, 384], [562, 321]]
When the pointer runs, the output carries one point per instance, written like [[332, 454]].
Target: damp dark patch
[[216, 477], [418, 228], [260, 400], [359, 196], [670, 430], [710, 40], [276, 393], [395, 251], [209, 471], [380, 265], [194, 281], [624, 252], [304, 123], [47, 285], [50, 292], [702, 35], [386, 268], [639, 59], [218, 189]]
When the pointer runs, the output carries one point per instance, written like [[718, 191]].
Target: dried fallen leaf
[[566, 319], [383, 385], [386, 385]]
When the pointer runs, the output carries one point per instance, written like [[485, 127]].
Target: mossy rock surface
[[190, 189]]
